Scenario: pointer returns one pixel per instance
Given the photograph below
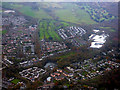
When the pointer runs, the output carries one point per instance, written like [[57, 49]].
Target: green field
[[97, 14], [3, 32], [67, 55], [15, 81], [68, 12], [112, 30], [105, 27], [72, 13], [27, 10], [49, 5], [48, 29], [108, 28], [64, 12], [20, 31]]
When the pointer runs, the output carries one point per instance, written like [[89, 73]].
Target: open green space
[[105, 27], [15, 81], [49, 5], [112, 30], [72, 13], [97, 14], [67, 55], [108, 28], [3, 32], [27, 10], [68, 12], [20, 31], [48, 29]]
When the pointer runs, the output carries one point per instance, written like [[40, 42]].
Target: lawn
[[3, 32], [47, 30], [105, 27], [67, 55], [112, 30], [15, 81], [20, 31]]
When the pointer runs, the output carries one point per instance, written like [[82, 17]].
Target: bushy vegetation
[[97, 14]]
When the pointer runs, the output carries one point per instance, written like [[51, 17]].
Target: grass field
[[49, 5], [108, 28], [27, 10], [105, 27], [112, 30], [65, 12], [15, 81], [3, 32], [48, 29], [68, 12], [72, 13], [67, 55], [40, 14]]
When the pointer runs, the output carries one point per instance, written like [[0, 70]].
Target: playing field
[[47, 30], [15, 81], [3, 32]]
